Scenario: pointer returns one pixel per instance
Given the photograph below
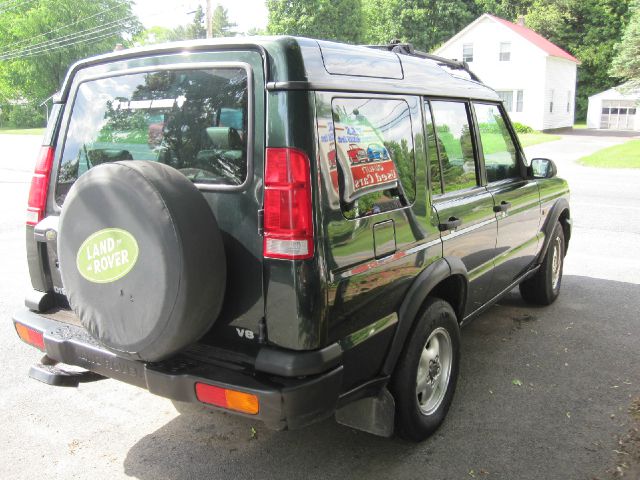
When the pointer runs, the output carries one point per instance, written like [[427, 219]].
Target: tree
[[40, 39], [326, 19], [588, 29], [155, 35], [191, 31], [256, 31], [626, 63], [423, 23], [507, 9], [220, 24], [197, 28]]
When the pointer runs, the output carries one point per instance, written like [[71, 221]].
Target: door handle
[[450, 224], [503, 207]]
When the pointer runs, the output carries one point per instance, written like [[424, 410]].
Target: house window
[[507, 98], [505, 51], [519, 100], [568, 101], [551, 102], [467, 52]]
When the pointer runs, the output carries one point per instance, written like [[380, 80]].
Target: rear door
[[464, 206], [199, 113], [378, 231], [516, 197]]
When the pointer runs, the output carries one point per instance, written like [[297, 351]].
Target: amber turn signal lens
[[225, 398], [30, 336]]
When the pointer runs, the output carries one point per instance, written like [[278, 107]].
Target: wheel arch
[[446, 278], [559, 212]]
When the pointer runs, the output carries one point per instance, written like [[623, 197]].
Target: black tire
[[416, 417], [544, 287], [150, 226]]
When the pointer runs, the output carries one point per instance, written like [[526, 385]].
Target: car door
[[516, 197], [377, 230], [464, 206]]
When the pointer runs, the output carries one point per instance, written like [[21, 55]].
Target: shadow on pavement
[[574, 361]]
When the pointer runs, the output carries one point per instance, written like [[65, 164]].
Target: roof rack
[[396, 46]]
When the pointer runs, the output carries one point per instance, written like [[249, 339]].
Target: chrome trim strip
[[372, 264], [364, 334], [457, 233]]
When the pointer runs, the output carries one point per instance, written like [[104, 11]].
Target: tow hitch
[[51, 372]]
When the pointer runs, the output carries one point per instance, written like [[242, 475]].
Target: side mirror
[[543, 168]]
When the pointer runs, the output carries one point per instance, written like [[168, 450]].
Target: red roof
[[537, 39]]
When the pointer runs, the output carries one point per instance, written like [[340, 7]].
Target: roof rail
[[407, 49]]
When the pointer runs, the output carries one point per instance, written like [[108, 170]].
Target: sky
[[171, 13]]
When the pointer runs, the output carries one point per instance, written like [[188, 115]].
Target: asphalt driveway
[[577, 362]]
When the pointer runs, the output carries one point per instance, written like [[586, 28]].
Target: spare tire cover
[[141, 258]]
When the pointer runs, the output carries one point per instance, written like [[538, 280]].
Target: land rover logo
[[107, 255]]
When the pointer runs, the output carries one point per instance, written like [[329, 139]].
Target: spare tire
[[141, 258]]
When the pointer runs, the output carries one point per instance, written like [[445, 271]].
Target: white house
[[535, 78], [614, 109]]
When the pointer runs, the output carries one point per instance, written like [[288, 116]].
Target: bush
[[520, 128], [22, 116]]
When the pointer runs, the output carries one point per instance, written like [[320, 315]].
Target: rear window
[[192, 120]]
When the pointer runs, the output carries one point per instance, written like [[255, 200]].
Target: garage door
[[618, 115]]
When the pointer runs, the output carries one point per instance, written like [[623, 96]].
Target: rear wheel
[[425, 380], [544, 287]]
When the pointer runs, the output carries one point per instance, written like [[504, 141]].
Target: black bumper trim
[[284, 402], [288, 363]]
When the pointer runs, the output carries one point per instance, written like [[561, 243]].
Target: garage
[[614, 109]]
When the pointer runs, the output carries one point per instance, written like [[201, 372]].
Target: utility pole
[[209, 29]]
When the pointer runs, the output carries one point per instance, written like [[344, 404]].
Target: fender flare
[[415, 297], [559, 207]]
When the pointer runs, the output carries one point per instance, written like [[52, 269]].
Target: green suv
[[281, 227]]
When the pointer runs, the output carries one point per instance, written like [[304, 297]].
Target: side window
[[455, 145], [432, 152], [500, 157], [375, 155]]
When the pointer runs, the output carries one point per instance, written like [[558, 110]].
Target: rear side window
[[192, 120], [375, 155], [455, 145]]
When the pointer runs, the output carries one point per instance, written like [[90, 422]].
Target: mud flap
[[375, 415]]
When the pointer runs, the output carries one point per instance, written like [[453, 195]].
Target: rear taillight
[[40, 186], [30, 336], [226, 398], [288, 222]]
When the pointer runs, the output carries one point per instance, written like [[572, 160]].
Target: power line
[[86, 41], [115, 25], [72, 36], [70, 39], [62, 27]]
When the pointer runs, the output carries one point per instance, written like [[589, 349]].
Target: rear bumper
[[283, 402]]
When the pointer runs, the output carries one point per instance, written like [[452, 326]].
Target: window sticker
[[368, 164]]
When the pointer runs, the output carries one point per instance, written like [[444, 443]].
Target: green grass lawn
[[580, 125], [626, 155], [528, 139], [22, 131]]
